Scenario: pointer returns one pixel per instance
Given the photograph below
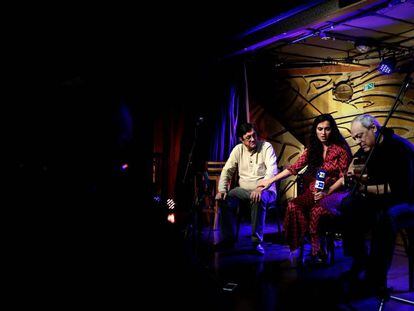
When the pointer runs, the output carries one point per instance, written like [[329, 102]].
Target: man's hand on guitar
[[355, 170]]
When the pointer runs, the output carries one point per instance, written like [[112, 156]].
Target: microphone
[[320, 179]]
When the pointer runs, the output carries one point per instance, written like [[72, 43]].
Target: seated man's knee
[[404, 209], [401, 216], [231, 202]]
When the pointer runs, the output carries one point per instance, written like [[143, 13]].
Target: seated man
[[254, 161], [385, 194]]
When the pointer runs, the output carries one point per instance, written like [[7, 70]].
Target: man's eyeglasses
[[250, 137], [361, 135]]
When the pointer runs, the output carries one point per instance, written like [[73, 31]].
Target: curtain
[[230, 115]]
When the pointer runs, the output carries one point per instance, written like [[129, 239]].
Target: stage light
[[387, 65], [171, 218], [124, 167], [170, 204], [362, 47]]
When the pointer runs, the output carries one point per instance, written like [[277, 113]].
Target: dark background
[[75, 225]]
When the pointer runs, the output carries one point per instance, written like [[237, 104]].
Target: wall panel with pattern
[[284, 103]]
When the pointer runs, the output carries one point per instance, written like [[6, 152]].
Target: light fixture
[[387, 65], [324, 35], [362, 46]]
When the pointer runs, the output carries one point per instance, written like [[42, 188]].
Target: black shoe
[[223, 245], [383, 292]]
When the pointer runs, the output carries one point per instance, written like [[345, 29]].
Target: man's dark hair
[[244, 128]]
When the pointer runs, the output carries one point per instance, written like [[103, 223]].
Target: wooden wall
[[283, 105]]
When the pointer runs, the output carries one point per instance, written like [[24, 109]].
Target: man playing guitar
[[382, 196]]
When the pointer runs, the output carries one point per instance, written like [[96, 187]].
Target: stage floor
[[272, 282]]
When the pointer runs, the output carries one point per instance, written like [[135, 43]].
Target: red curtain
[[168, 133]]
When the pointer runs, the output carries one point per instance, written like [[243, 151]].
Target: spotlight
[[387, 65], [124, 167], [170, 204], [171, 218], [362, 48]]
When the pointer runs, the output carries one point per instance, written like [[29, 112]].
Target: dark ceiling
[[330, 31]]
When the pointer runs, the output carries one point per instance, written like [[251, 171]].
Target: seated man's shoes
[[223, 245], [259, 249]]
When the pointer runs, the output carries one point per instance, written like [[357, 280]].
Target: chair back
[[214, 169]]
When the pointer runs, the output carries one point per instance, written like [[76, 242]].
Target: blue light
[[387, 66]]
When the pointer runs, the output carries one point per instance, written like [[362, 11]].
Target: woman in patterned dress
[[327, 150]]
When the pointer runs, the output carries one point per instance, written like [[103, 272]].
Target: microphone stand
[[192, 226], [403, 89], [190, 154]]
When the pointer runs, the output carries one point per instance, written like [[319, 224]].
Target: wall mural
[[284, 108]]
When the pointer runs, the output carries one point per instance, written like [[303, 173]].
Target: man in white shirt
[[254, 160]]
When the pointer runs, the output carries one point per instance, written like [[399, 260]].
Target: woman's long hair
[[315, 147]]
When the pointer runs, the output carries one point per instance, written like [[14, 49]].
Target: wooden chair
[[206, 188], [214, 169]]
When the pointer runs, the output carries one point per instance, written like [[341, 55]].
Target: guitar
[[357, 179]]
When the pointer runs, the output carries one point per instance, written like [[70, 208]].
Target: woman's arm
[[291, 170], [321, 194], [344, 160], [338, 184], [267, 182]]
